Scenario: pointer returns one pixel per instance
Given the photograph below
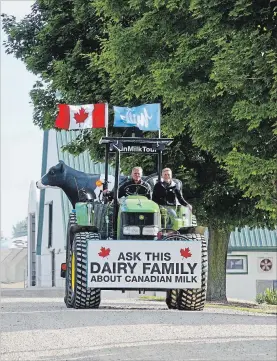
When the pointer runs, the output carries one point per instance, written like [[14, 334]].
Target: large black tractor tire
[[171, 299], [68, 289], [191, 299], [81, 296]]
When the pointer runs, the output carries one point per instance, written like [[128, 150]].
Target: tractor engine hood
[[138, 204]]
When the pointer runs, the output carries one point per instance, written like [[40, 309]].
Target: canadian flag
[[82, 116]]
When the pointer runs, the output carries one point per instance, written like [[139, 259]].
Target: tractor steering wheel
[[128, 193]]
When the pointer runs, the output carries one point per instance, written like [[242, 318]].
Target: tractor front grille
[[140, 219]]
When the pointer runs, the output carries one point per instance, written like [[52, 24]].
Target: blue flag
[[145, 117]]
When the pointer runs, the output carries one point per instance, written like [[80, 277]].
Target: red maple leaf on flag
[[81, 116], [185, 252], [104, 252]]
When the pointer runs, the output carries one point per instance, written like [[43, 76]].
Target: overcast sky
[[21, 141]]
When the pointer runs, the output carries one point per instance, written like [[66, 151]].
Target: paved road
[[41, 328]]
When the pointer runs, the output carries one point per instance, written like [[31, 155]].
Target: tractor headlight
[[150, 231], [131, 231]]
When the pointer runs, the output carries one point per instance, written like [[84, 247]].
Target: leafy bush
[[269, 296], [260, 298]]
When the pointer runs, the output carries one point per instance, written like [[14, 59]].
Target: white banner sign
[[144, 264]]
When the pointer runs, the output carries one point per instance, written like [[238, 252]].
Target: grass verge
[[232, 305]]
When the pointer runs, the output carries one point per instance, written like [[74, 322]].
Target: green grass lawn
[[235, 305]]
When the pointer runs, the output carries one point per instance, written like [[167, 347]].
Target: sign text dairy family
[[133, 264]]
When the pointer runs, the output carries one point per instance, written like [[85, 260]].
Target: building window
[[236, 264], [50, 225]]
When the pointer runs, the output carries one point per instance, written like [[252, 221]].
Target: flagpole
[[160, 120], [105, 186], [107, 119]]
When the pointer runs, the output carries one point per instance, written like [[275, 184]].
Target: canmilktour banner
[[145, 117]]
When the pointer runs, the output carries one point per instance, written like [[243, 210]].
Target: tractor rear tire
[[82, 296], [68, 289], [171, 299], [191, 299]]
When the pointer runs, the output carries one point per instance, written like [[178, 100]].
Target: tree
[[20, 229], [169, 52], [149, 51], [213, 63], [243, 76]]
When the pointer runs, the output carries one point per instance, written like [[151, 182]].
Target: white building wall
[[58, 236], [13, 265], [33, 207], [243, 286]]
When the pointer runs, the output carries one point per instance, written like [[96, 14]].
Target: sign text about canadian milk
[[148, 264]]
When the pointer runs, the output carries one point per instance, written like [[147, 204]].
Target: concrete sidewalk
[[32, 292]]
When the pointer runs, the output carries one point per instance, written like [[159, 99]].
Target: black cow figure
[[78, 186]]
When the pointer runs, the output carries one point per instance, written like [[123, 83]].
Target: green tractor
[[134, 244]]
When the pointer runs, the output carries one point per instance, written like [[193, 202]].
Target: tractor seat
[[177, 181]]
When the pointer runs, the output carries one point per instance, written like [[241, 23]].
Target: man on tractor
[[134, 186], [167, 191]]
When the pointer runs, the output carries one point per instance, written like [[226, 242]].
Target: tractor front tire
[[191, 299], [82, 296]]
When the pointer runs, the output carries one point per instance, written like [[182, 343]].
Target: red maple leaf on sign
[[185, 252], [81, 116], [104, 252]]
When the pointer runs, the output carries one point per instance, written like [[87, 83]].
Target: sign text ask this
[[144, 264]]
